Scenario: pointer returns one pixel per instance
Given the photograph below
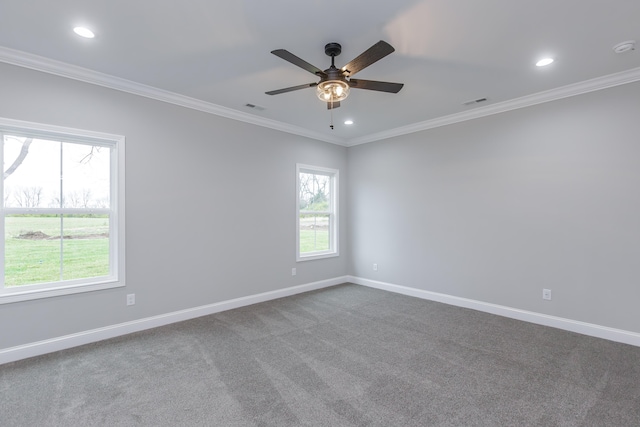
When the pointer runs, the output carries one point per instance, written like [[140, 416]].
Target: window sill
[[8, 297], [317, 256]]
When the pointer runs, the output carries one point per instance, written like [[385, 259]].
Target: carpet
[[341, 356]]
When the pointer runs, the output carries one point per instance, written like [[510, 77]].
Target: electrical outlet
[[293, 271], [546, 294], [131, 299], [375, 267]]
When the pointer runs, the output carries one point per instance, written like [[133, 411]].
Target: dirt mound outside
[[39, 235], [33, 235]]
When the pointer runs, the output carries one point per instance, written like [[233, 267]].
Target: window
[[317, 212], [62, 222]]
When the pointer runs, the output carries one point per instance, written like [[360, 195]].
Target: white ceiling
[[216, 54]]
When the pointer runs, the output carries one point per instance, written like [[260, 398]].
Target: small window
[[317, 212], [62, 212]]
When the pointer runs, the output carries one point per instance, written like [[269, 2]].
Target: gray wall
[[498, 208], [210, 205], [492, 209]]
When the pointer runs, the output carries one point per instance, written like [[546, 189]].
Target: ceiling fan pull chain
[[331, 125]]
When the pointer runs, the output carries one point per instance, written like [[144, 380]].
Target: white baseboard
[[12, 354], [584, 328]]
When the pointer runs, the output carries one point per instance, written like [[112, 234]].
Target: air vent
[[474, 101], [255, 107], [625, 46]]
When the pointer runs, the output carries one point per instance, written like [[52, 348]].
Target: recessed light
[[84, 32], [543, 62], [348, 122]]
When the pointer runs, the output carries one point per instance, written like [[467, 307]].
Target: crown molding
[[567, 91], [50, 66], [39, 63]]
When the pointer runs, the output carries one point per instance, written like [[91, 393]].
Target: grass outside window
[[36, 253]]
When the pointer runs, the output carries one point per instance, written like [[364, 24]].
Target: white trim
[[12, 354], [58, 68], [116, 277], [590, 329], [39, 63], [68, 134], [567, 91], [334, 234], [2, 221], [317, 255], [48, 291]]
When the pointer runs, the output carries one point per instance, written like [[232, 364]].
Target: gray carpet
[[342, 356]]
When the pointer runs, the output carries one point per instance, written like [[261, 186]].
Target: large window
[[317, 212], [62, 212]]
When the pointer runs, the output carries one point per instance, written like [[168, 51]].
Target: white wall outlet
[[375, 267], [546, 294], [131, 299], [293, 271]]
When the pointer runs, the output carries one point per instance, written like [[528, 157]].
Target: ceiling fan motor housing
[[333, 49], [333, 73]]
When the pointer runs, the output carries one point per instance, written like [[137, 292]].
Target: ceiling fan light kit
[[332, 90], [335, 83]]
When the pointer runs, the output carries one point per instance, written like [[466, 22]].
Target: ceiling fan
[[335, 83]]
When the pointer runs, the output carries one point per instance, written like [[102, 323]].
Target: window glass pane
[[314, 233], [35, 253], [85, 246], [315, 192], [32, 249], [86, 176], [33, 168]]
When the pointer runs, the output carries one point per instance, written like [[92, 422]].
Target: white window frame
[[116, 276], [333, 250]]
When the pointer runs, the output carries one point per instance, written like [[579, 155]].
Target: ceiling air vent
[[625, 46], [255, 107], [474, 101]]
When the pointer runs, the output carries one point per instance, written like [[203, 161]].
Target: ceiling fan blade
[[290, 57], [374, 85], [332, 105], [291, 89], [368, 57]]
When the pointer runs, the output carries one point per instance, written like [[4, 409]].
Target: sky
[[42, 169]]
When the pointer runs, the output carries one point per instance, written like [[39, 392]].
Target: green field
[[33, 249], [314, 233], [314, 240]]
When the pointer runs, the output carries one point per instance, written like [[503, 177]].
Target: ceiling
[[215, 55]]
